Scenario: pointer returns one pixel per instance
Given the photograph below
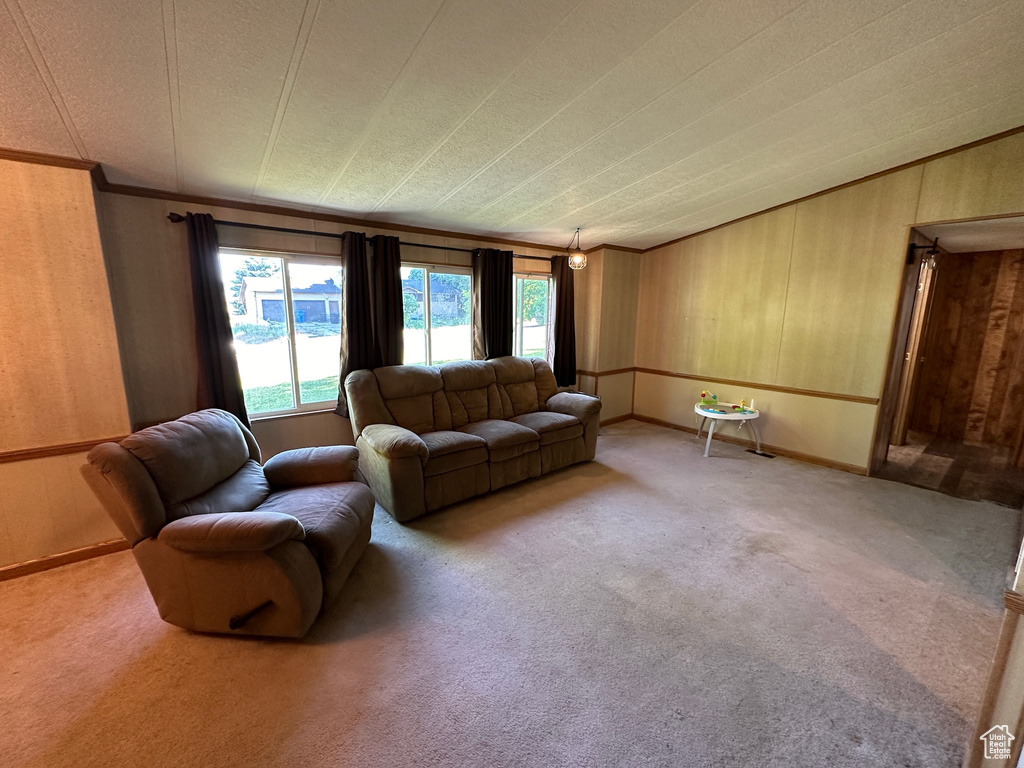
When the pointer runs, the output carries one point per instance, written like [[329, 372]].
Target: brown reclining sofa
[[432, 436]]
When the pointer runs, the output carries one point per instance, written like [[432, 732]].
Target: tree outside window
[[532, 309]]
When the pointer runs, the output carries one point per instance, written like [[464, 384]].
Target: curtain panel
[[358, 348], [492, 303], [563, 363], [219, 385], [386, 299]]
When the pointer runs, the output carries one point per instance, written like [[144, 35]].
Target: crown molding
[[38, 158], [613, 247], [280, 210]]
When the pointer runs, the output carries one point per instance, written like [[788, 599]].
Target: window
[[438, 322], [532, 308], [287, 350]]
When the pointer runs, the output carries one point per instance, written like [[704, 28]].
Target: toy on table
[[706, 398]]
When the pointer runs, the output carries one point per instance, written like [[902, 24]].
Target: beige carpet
[[651, 608]]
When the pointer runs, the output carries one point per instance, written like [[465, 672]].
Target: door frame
[[897, 352]]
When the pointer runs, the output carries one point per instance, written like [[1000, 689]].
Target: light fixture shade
[[577, 258]]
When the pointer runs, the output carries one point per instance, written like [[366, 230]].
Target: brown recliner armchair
[[227, 545]]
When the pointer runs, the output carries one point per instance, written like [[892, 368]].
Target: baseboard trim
[[616, 420], [789, 454], [1013, 601], [49, 562]]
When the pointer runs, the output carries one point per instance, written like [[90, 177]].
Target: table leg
[[711, 431], [701, 427], [757, 435]]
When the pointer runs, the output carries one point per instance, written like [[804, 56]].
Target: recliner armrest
[[312, 466], [395, 442], [231, 532], [575, 404]]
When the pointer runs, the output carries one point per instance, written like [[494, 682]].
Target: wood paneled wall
[[620, 287], [971, 383], [975, 183], [606, 317], [804, 297], [60, 371]]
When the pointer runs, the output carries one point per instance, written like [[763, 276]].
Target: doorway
[[957, 423]]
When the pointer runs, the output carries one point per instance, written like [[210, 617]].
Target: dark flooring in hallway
[[978, 471]]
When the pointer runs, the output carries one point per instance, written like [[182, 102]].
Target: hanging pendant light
[[577, 258]]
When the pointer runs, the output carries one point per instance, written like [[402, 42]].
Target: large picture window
[[437, 305], [532, 308], [285, 315]]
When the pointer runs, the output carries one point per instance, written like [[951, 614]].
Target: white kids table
[[731, 413]]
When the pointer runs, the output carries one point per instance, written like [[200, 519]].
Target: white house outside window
[[285, 312]]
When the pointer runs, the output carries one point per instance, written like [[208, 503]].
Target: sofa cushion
[[450, 450], [413, 413], [467, 374], [408, 393], [243, 491], [332, 516], [544, 380], [400, 381], [552, 427], [191, 455], [512, 370], [450, 462], [441, 443], [518, 392], [505, 439], [471, 392]]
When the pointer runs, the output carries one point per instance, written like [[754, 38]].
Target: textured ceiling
[[638, 121]]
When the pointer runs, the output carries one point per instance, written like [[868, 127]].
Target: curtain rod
[[177, 218]]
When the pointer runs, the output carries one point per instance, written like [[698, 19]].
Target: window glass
[[438, 324], [415, 313], [316, 308], [451, 334], [254, 291], [532, 308]]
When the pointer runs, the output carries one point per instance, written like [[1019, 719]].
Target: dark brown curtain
[[386, 299], [492, 303], [358, 349], [563, 365], [219, 384]]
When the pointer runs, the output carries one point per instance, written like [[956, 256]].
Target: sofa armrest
[[231, 532], [575, 404], [395, 442], [312, 466]]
